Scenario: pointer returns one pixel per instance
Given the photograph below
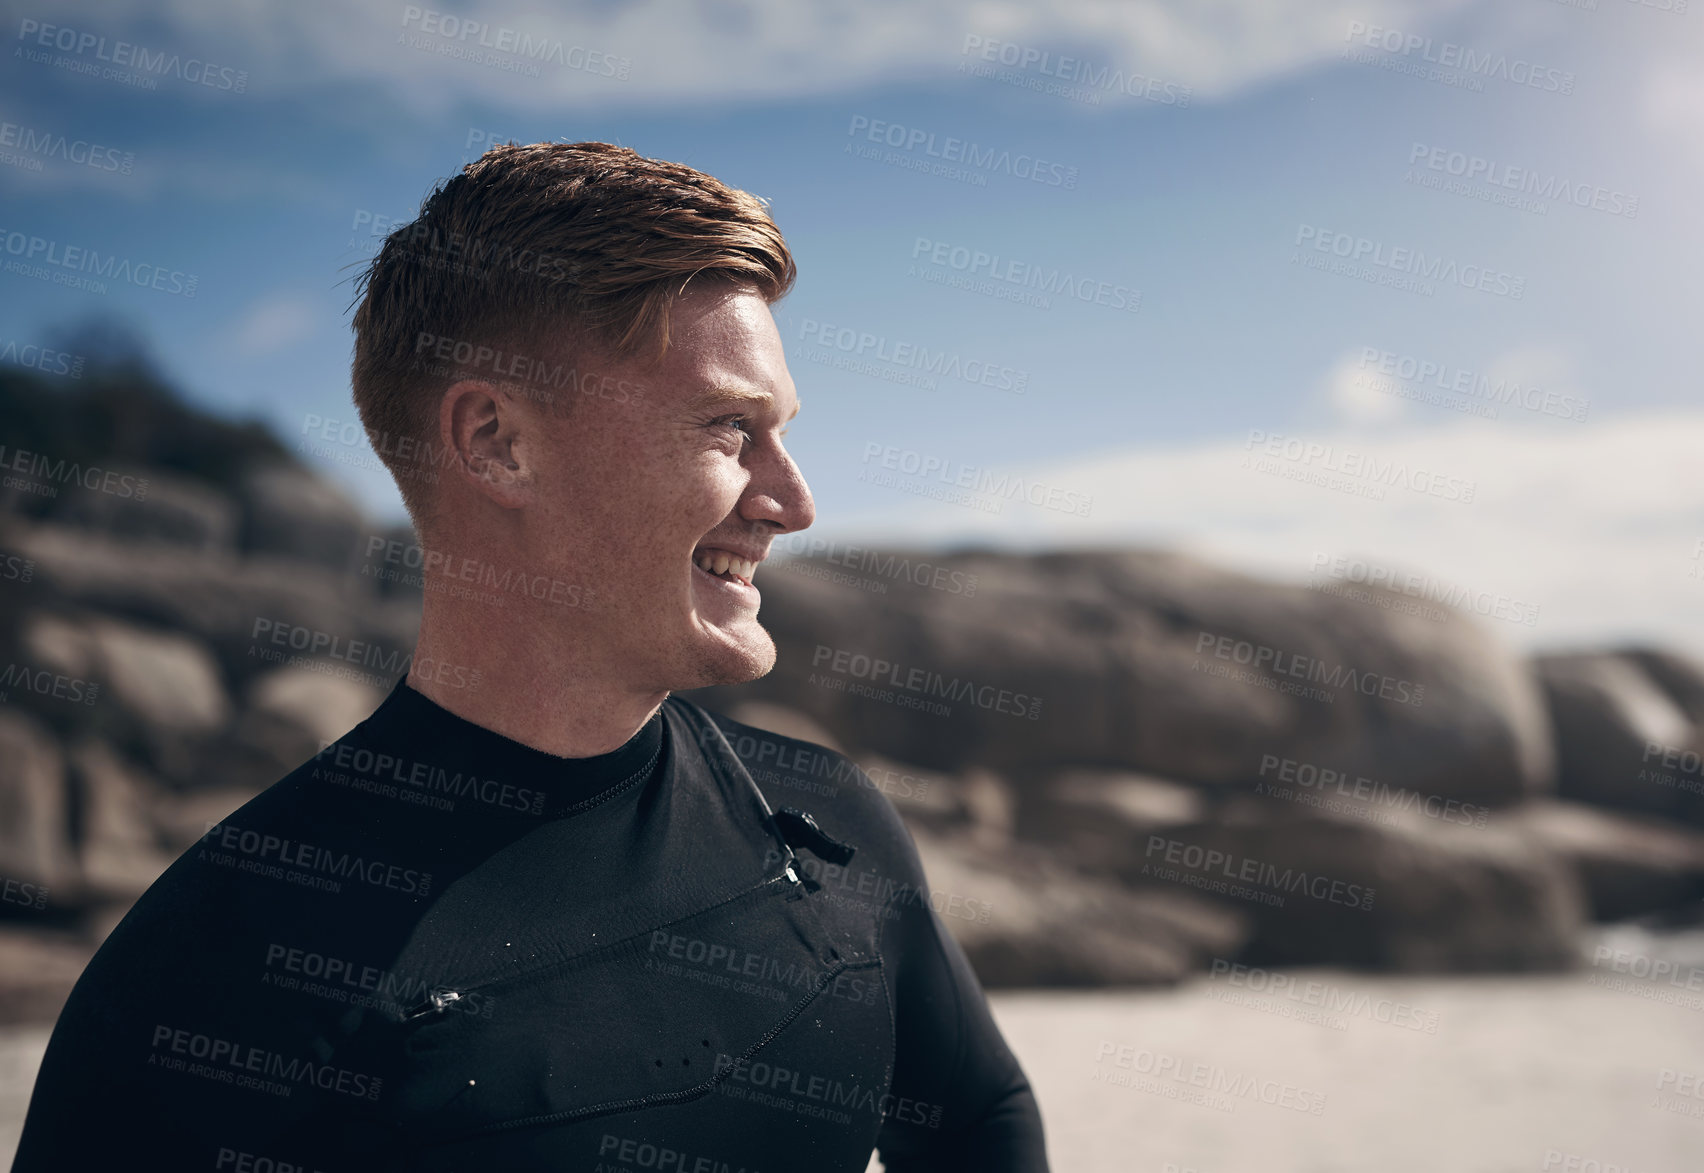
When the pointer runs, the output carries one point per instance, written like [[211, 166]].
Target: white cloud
[[1674, 108], [685, 49], [274, 322], [1598, 524], [1357, 394]]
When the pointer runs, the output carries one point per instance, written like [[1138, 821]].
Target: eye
[[737, 422]]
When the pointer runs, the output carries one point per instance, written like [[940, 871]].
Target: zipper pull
[[436, 1002], [796, 887]]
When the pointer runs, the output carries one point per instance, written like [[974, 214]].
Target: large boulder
[[1617, 732], [117, 841], [317, 707], [1401, 891], [182, 817], [1024, 919], [290, 715], [291, 512], [35, 829], [254, 614], [1681, 678], [1149, 662], [928, 798], [163, 509], [1630, 865], [156, 693], [38, 967], [1097, 818]]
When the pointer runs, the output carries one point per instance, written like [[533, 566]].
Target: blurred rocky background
[[1387, 787]]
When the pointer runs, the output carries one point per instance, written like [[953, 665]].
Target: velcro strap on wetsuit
[[801, 830]]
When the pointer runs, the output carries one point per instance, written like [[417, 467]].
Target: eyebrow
[[736, 394]]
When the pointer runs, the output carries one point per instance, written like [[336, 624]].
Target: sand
[[1520, 1074]]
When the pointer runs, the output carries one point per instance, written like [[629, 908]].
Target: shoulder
[[206, 890], [184, 949], [278, 861]]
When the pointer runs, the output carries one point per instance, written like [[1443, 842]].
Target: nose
[[777, 494]]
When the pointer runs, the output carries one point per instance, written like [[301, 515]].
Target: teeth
[[722, 562]]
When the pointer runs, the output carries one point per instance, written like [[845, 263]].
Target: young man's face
[[635, 491]]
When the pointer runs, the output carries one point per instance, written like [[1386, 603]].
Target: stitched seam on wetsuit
[[892, 1025], [698, 1091]]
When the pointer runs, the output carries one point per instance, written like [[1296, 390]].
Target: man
[[535, 912]]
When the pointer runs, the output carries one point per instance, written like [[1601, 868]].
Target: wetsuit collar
[[437, 736]]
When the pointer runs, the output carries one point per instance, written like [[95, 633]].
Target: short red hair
[[540, 249]]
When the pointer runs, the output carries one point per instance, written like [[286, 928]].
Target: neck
[[517, 674]]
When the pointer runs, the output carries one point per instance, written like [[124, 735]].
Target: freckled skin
[[613, 497]]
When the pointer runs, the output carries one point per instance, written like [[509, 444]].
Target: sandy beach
[[1520, 1074]]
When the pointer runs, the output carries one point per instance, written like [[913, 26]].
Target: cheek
[[674, 505], [712, 481], [617, 472]]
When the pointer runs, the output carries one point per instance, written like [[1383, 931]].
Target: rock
[[38, 967], [1096, 819], [117, 844], [122, 414], [253, 614], [990, 807], [1025, 921], [1402, 892], [183, 818], [1139, 800], [320, 707], [165, 680], [292, 714], [35, 831], [171, 511], [927, 798], [1680, 678], [1135, 661], [1630, 865], [159, 693], [1613, 726], [290, 512]]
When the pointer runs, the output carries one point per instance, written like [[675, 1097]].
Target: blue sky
[[1253, 407]]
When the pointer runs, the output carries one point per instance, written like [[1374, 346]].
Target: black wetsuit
[[434, 948]]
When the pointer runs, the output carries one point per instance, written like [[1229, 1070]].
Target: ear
[[483, 426]]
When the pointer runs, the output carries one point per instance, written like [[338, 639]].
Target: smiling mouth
[[725, 566]]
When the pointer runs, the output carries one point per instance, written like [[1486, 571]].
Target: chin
[[735, 658]]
